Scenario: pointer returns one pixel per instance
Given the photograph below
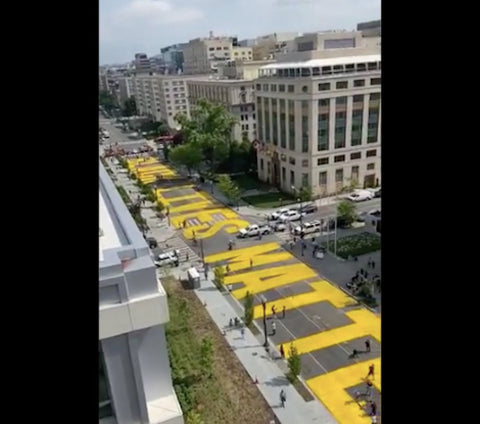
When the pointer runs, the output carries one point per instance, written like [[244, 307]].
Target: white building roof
[[330, 61], [108, 235]]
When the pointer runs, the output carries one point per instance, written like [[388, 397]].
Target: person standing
[[227, 268], [283, 398], [274, 328], [367, 345], [373, 408], [242, 332], [371, 371], [282, 351], [273, 310], [251, 263], [283, 311], [373, 265]]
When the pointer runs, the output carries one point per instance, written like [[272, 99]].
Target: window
[[341, 101], [305, 180], [267, 120], [322, 178], [374, 96], [323, 131], [339, 158], [341, 85], [324, 86], [372, 124], [258, 87], [283, 157], [284, 174], [361, 67], [356, 155], [324, 103], [291, 125], [292, 178], [349, 68], [355, 173], [225, 48], [375, 81], [340, 129], [291, 88], [273, 87], [370, 166], [261, 164], [305, 134], [339, 175], [357, 122], [283, 124], [291, 160], [274, 122], [246, 127], [358, 98], [371, 153], [281, 88], [226, 54], [219, 48], [260, 121], [265, 87], [304, 89], [359, 83], [322, 161], [304, 163]]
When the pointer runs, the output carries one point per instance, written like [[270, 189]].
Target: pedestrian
[[354, 353], [292, 244], [242, 332], [371, 371], [282, 351], [361, 271], [365, 274], [367, 345], [259, 235], [230, 323], [273, 310], [373, 264], [187, 257], [184, 223], [283, 398], [205, 271], [283, 311], [369, 263], [227, 269], [294, 239], [368, 391], [251, 263], [373, 408], [274, 328]]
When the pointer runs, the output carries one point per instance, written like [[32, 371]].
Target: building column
[[366, 104]]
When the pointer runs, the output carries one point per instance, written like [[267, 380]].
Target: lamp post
[[264, 306]]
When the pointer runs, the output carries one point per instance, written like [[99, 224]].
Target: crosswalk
[[287, 236], [217, 217], [187, 254]]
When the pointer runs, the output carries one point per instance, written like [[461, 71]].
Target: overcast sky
[[132, 26]]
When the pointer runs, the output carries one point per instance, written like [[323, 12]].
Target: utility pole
[[201, 252]]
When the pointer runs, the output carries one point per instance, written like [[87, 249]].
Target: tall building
[[319, 118], [125, 89], [173, 57], [134, 370], [161, 97], [142, 63], [371, 28], [268, 46], [203, 55], [236, 95]]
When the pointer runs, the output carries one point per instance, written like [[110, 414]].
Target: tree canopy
[[188, 155], [129, 107], [347, 210]]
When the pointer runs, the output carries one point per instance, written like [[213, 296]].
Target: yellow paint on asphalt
[[365, 323], [240, 258], [190, 207], [203, 231], [268, 279], [168, 201], [164, 190], [331, 388], [322, 291]]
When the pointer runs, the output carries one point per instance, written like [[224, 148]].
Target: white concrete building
[[240, 69], [319, 119], [236, 95], [162, 97], [134, 370]]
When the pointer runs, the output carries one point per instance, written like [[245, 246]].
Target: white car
[[360, 196], [254, 230], [291, 216], [275, 215], [309, 227], [279, 226], [168, 258]]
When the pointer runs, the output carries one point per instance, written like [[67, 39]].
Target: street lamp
[[264, 306]]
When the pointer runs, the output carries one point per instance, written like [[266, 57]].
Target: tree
[[229, 188], [130, 107], [294, 364], [107, 100], [193, 417], [346, 211], [210, 127], [188, 155], [206, 356], [219, 276], [305, 194], [249, 308]]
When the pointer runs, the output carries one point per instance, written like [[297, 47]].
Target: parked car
[[168, 258], [254, 230], [275, 215], [376, 213], [360, 196], [309, 227], [378, 193], [152, 242], [291, 215], [311, 208]]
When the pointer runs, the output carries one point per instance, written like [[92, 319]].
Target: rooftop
[[108, 234], [330, 61]]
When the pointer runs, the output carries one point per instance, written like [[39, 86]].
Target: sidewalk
[[258, 363]]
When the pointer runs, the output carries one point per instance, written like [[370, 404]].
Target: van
[[193, 278]]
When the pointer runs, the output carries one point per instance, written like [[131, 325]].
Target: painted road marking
[[322, 291], [331, 390], [365, 323]]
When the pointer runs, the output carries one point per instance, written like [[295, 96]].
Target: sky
[[133, 26]]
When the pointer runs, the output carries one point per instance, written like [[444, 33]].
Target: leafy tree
[[294, 364], [107, 100], [305, 194], [248, 304], [219, 276], [229, 188], [206, 357], [346, 210], [188, 155], [130, 107], [210, 127]]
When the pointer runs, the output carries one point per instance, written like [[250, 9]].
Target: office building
[[134, 370], [241, 69], [236, 95], [173, 57], [319, 117], [142, 63], [370, 29]]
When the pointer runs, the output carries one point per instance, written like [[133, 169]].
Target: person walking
[[283, 311], [367, 345], [373, 264], [273, 310], [242, 332], [283, 398], [282, 351], [251, 263], [186, 257], [274, 328], [373, 408], [227, 269], [371, 371]]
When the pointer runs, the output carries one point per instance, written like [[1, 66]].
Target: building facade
[[240, 69], [134, 370], [236, 95], [318, 123]]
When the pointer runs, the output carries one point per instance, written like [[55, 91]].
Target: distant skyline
[[132, 26]]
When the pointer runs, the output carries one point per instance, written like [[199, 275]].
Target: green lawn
[[356, 245], [248, 182], [270, 200]]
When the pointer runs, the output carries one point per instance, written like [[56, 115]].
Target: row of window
[[218, 48], [325, 161], [324, 70], [325, 86]]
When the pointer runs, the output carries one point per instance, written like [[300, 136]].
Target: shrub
[[219, 278], [248, 308]]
